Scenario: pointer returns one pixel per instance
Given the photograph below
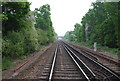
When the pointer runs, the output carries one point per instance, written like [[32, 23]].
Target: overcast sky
[[64, 13]]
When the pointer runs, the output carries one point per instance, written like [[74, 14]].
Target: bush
[[13, 44], [6, 63], [17, 44], [42, 37], [31, 41], [26, 41], [100, 47]]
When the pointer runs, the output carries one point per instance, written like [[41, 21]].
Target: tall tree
[[43, 21], [100, 24], [13, 12]]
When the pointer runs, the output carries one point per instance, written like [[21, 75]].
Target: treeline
[[25, 31], [100, 24]]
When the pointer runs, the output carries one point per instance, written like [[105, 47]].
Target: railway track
[[69, 64], [102, 72], [109, 61], [66, 63], [66, 66]]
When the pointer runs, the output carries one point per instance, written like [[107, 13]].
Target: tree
[[43, 21], [42, 16], [13, 12], [100, 24]]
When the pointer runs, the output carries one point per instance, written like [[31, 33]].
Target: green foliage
[[100, 24], [70, 36], [31, 41], [22, 42], [6, 63], [12, 12], [43, 21], [24, 31], [4, 17], [13, 44], [99, 47], [42, 15], [42, 37]]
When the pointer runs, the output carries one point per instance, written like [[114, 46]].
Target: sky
[[64, 13]]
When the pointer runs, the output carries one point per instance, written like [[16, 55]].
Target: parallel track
[[66, 65], [109, 61], [102, 72]]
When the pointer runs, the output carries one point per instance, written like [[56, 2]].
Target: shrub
[[31, 41], [13, 44], [6, 63]]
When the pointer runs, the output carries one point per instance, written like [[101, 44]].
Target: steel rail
[[53, 65], [99, 64], [82, 63], [77, 64]]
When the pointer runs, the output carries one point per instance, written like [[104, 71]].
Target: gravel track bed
[[112, 61], [35, 69]]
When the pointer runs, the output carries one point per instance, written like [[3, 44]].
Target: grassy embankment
[[99, 47], [7, 62]]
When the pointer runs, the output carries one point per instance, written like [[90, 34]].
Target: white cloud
[[64, 13]]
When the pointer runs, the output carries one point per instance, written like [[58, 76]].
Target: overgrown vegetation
[[24, 31], [99, 47], [100, 24]]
